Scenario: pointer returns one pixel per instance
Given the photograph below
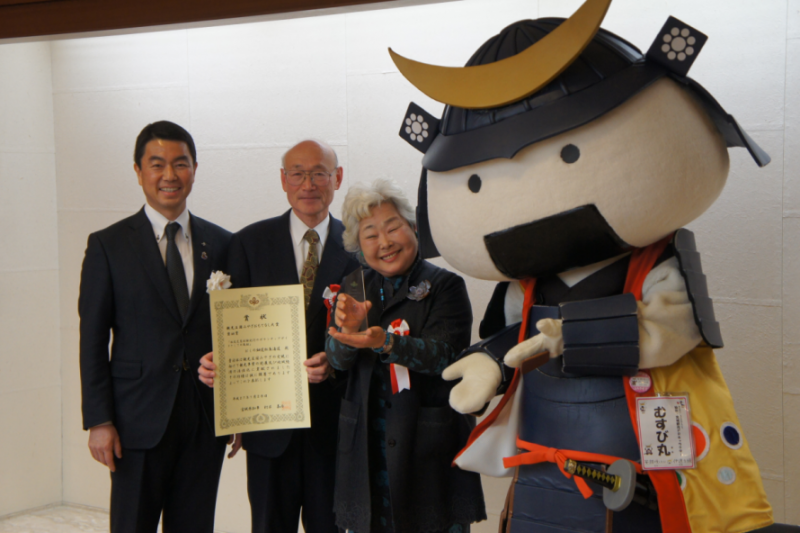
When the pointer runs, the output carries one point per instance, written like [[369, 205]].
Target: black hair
[[164, 130]]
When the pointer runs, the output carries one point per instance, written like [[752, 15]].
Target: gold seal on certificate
[[259, 336]]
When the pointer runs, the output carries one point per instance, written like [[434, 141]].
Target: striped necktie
[[310, 265]]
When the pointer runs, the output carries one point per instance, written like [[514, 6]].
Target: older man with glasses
[[290, 470]]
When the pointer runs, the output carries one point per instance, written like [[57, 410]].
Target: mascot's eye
[[570, 153], [474, 183]]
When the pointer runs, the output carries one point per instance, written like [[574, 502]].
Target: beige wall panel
[[31, 465], [30, 384], [791, 179], [29, 328], [95, 136], [495, 490], [27, 210], [141, 60], [490, 525], [793, 19], [791, 284], [268, 84], [739, 237], [26, 109], [233, 507]]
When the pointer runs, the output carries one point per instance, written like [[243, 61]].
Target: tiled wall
[[30, 365], [249, 91]]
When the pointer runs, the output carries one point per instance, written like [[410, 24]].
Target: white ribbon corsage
[[399, 327], [329, 298], [400, 377], [218, 281], [329, 294]]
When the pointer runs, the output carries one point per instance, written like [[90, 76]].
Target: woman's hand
[[374, 337], [350, 313]]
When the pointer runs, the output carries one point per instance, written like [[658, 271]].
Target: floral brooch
[[218, 280], [420, 292]]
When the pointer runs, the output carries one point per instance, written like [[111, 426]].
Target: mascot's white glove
[[480, 377], [549, 339], [667, 329]]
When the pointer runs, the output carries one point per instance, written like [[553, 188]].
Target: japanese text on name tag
[[665, 432]]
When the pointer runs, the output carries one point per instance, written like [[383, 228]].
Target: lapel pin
[[204, 255], [202, 243]]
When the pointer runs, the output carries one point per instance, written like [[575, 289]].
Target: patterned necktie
[[310, 265], [177, 275]]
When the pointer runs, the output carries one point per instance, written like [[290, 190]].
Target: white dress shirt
[[298, 230], [183, 240]]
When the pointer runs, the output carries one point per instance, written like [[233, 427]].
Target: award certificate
[[259, 337]]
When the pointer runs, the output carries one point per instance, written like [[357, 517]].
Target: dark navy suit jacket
[[262, 254], [125, 290]]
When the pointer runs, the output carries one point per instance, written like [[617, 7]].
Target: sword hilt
[[604, 479], [621, 485]]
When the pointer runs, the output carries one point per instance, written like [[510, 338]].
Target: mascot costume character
[[565, 165]]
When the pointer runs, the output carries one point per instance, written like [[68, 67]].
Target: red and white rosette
[[400, 377], [329, 298]]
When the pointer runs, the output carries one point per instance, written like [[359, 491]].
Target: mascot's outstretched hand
[[480, 377], [549, 339]]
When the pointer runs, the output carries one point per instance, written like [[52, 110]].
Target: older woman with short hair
[[397, 432]]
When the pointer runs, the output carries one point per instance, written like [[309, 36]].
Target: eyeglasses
[[317, 177]]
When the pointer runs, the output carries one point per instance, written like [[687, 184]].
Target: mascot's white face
[[650, 166]]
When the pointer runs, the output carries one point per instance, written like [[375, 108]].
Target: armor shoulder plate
[[692, 272]]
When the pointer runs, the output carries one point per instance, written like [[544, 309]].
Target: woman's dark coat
[[423, 433]]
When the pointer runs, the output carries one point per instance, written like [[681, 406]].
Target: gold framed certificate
[[259, 338]]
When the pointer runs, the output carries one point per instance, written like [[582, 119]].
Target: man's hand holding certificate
[[259, 353]]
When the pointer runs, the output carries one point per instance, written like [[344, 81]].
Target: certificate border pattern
[[299, 415]]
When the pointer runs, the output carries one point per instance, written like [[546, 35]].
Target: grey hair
[[322, 144], [360, 200]]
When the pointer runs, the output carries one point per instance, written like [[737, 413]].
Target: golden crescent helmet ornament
[[511, 79]]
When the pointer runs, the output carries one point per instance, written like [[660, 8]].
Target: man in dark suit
[[144, 279], [290, 470]]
